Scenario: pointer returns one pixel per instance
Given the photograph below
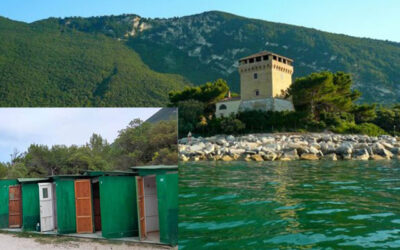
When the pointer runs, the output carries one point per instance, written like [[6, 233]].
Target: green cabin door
[[167, 192], [118, 206]]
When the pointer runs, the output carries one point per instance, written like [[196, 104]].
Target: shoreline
[[289, 147]]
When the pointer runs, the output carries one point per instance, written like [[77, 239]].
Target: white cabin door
[[46, 207]]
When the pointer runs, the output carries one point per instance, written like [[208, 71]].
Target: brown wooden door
[[83, 203], [15, 206], [141, 211]]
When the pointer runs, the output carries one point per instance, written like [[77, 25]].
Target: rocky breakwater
[[287, 147]]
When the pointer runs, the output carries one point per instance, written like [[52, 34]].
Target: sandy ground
[[15, 242]]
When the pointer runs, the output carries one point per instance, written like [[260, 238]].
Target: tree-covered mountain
[[206, 47], [46, 64], [116, 60], [164, 114]]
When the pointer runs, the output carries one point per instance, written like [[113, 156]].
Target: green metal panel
[[66, 211], [118, 206], [167, 193], [30, 206], [4, 192]]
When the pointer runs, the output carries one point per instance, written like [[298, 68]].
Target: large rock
[[270, 156], [386, 154], [289, 155], [184, 158], [330, 157], [377, 157], [209, 149], [257, 157], [226, 158], [361, 154], [314, 150], [310, 157], [267, 140], [387, 145], [197, 148], [345, 149], [238, 151], [230, 138]]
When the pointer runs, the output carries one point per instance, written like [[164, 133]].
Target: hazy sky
[[364, 18], [20, 127]]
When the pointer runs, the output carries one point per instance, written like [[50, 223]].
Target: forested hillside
[[115, 60], [44, 64], [206, 47]]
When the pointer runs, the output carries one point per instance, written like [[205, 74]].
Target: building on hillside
[[264, 80]]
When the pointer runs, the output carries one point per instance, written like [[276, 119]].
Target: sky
[[363, 18], [21, 127]]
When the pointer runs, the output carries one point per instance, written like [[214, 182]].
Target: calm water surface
[[321, 205]]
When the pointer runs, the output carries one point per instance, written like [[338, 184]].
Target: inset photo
[[91, 177]]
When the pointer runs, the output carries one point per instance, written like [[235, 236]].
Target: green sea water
[[289, 205]]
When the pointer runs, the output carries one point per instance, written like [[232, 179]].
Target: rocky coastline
[[288, 147]]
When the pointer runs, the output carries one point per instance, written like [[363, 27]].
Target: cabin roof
[[154, 170], [26, 180], [106, 173]]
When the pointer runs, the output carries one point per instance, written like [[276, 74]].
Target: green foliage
[[3, 170], [138, 144], [388, 118], [323, 92], [232, 125], [364, 113], [144, 143], [208, 93], [190, 112], [364, 128], [48, 64]]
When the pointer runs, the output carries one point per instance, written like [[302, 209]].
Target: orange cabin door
[[83, 203], [15, 206], [141, 208]]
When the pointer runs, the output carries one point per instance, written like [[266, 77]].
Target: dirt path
[[17, 242]]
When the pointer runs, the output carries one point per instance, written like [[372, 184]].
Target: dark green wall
[[66, 211], [30, 206], [4, 184], [167, 194], [118, 206]]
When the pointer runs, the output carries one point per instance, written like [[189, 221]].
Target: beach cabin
[[113, 213], [64, 203], [4, 204], [19, 203], [157, 203], [97, 203]]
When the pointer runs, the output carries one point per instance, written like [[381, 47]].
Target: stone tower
[[264, 75]]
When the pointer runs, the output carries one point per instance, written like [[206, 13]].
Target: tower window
[[284, 60], [265, 58], [258, 59], [255, 75], [257, 92], [222, 107], [274, 58], [251, 60]]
